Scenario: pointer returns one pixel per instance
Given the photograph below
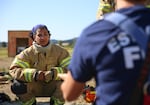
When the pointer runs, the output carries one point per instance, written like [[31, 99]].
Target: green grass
[[3, 52]]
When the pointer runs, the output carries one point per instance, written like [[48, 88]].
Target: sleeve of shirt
[[82, 65]]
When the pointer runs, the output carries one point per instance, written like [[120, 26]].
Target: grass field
[[3, 52]]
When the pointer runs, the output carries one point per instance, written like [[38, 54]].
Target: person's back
[[116, 58], [121, 59]]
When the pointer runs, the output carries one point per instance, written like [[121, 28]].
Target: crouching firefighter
[[35, 69]]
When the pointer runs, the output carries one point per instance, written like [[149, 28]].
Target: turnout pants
[[39, 89]]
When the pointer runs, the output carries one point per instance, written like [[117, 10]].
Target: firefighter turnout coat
[[32, 59]]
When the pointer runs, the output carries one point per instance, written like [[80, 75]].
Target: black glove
[[18, 87]]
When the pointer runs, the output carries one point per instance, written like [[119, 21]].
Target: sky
[[65, 19]]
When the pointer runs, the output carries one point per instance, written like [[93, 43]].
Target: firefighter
[[35, 69], [105, 6], [108, 62]]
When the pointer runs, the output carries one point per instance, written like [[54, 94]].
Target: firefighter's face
[[42, 37]]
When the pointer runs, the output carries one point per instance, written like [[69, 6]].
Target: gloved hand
[[53, 74], [49, 75], [39, 76], [44, 76]]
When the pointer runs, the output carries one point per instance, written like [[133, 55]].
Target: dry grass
[[5, 61], [3, 52]]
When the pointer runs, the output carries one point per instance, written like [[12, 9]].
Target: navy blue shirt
[[112, 57]]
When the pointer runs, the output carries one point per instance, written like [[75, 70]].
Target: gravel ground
[[5, 88]]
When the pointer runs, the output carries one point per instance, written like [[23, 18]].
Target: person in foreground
[[110, 55], [34, 70]]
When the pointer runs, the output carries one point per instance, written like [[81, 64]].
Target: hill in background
[[69, 42]]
